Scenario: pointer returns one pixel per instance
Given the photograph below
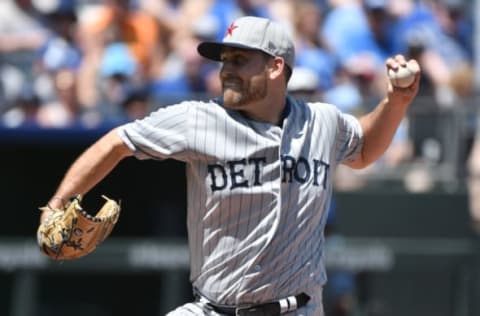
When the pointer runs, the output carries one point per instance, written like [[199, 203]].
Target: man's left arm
[[380, 125]]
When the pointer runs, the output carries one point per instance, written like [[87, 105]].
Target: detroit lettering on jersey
[[233, 175]]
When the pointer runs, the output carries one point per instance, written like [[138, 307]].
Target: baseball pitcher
[[259, 173]]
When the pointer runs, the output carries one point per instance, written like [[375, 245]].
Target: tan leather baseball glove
[[71, 232]]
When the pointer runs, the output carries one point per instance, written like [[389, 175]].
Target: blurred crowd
[[67, 63]]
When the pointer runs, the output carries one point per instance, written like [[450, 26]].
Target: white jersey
[[258, 194]]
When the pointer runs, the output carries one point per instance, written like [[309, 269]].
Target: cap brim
[[213, 50]]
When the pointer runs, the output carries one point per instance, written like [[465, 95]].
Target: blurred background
[[402, 235]]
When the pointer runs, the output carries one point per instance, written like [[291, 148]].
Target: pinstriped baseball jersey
[[257, 193]]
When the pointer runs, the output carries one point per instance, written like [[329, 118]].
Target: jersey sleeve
[[162, 134], [349, 137]]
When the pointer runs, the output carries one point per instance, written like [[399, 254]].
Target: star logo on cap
[[231, 28]]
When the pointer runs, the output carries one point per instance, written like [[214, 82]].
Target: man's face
[[244, 78]]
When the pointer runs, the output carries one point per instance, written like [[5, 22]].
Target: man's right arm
[[91, 167]]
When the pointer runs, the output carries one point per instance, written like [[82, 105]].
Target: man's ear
[[277, 67]]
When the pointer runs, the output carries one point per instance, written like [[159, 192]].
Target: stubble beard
[[249, 93]]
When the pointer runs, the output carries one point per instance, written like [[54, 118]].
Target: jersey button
[[258, 267]]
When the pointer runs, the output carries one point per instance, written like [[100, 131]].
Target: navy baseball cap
[[253, 33]]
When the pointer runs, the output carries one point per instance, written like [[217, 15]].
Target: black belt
[[276, 308]]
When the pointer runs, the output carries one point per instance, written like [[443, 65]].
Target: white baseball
[[403, 76]]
